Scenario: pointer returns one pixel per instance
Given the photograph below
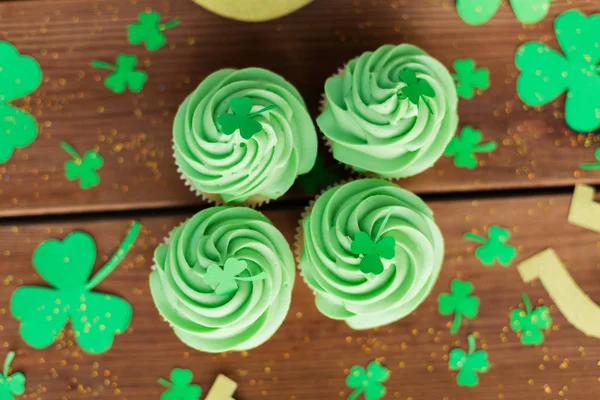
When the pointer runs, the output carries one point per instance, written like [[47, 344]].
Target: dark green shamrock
[[124, 74], [373, 250], [223, 281], [83, 168], [460, 302], [180, 387], [368, 382], [494, 248], [468, 364], [464, 147], [11, 385], [242, 118], [531, 322], [468, 78], [595, 165], [319, 177], [415, 88], [150, 30]]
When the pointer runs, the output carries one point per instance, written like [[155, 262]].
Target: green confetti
[[460, 302], [242, 118], [530, 322], [495, 248], [319, 177], [415, 88], [124, 74], [180, 387], [373, 250], [223, 281], [468, 364], [464, 147], [11, 385], [590, 166], [467, 78], [477, 12], [83, 168], [149, 30], [368, 382]]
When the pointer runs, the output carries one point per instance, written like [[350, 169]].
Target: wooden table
[[525, 185]]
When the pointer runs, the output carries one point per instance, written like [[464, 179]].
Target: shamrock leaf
[[368, 382], [66, 265], [11, 385], [223, 281], [477, 12], [415, 88], [464, 147], [149, 30], [590, 166], [18, 129], [546, 74], [83, 168], [180, 387], [494, 248], [242, 118], [319, 177], [459, 302], [124, 74], [530, 322], [467, 78], [468, 364]]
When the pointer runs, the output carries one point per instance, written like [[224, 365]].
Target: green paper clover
[[530, 322], [11, 385], [468, 364], [124, 74], [494, 248], [19, 76], [83, 168], [467, 78], [149, 30], [372, 252], [223, 281], [242, 118], [180, 387], [96, 317], [546, 74], [477, 12], [464, 147], [319, 177], [590, 166], [460, 302], [368, 382], [415, 88]]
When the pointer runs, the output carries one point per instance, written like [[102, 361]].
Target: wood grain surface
[[133, 131]]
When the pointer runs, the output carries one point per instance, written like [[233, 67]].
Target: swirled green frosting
[[331, 269], [238, 321], [373, 128], [228, 165]]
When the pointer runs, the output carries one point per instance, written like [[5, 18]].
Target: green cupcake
[[224, 280], [390, 112], [243, 136], [370, 251]]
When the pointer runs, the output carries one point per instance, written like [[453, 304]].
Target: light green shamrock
[[415, 88], [180, 387], [368, 382], [460, 302], [468, 364], [494, 248], [19, 76], [83, 168], [595, 165], [11, 385], [242, 119], [531, 322], [467, 78], [546, 74], [124, 74], [477, 12], [373, 250], [223, 281], [464, 147], [150, 30]]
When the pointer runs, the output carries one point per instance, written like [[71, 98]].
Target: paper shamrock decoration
[[180, 387], [464, 147], [546, 74], [468, 364], [477, 12], [319, 177], [494, 248], [467, 78], [19, 76], [242, 118], [124, 74], [460, 302], [149, 30], [11, 385], [368, 382], [223, 281], [530, 322], [415, 88], [595, 165], [96, 317], [373, 250], [83, 168]]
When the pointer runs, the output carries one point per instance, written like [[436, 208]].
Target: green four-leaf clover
[[242, 118], [468, 364], [467, 78], [11, 385], [415, 88], [149, 30], [223, 281], [460, 302], [373, 250], [180, 387], [477, 12], [464, 147], [83, 168], [124, 74], [494, 248], [530, 322], [368, 382]]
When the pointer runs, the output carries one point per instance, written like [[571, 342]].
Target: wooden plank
[[309, 357], [133, 132]]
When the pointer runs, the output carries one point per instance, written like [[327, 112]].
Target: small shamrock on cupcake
[[149, 30], [224, 280], [124, 74], [242, 118], [531, 322], [415, 88], [468, 364], [180, 387], [373, 250], [368, 382]]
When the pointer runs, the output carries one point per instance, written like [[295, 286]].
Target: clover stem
[[116, 258], [385, 220], [590, 166], [258, 277], [355, 394], [254, 114], [165, 382], [474, 237], [471, 341], [102, 64], [7, 361], [428, 106], [527, 302], [456, 324], [169, 25], [485, 148], [69, 149]]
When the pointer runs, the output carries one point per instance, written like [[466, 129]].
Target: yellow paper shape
[[222, 389], [572, 302], [584, 211], [252, 10]]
